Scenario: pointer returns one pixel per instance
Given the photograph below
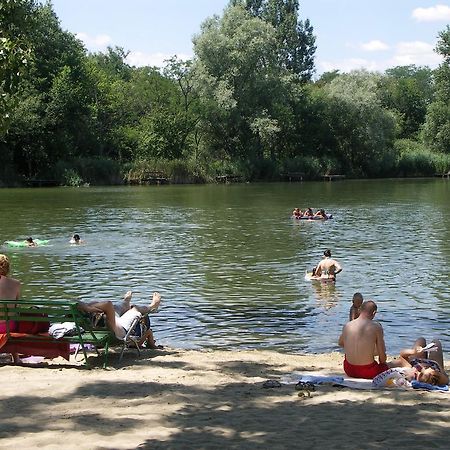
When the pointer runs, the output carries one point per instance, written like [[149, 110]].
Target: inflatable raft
[[322, 279], [329, 216], [25, 243]]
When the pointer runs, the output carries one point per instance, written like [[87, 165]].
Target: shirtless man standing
[[362, 339], [327, 266]]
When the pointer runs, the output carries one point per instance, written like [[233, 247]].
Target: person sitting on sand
[[30, 242], [320, 214], [362, 339], [76, 239], [120, 324], [356, 305], [328, 267], [297, 213], [427, 366]]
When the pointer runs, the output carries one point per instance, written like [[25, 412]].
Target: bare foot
[[127, 297], [156, 301]]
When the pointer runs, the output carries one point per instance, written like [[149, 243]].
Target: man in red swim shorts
[[362, 340]]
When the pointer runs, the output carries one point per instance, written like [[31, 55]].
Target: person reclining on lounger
[[120, 324]]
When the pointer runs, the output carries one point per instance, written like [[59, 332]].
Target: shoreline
[[176, 398]]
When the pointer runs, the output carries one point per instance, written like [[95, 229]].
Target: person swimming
[[76, 239], [30, 242]]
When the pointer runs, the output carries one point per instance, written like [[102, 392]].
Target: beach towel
[[59, 330], [319, 378]]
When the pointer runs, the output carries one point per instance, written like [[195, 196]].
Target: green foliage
[[71, 178], [90, 171], [416, 160], [363, 131], [177, 171], [407, 91], [16, 51], [244, 106], [295, 38], [436, 131]]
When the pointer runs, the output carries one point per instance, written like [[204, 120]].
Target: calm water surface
[[230, 262]]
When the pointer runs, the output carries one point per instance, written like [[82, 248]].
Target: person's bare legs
[[105, 307], [437, 355], [154, 305], [151, 343], [420, 342]]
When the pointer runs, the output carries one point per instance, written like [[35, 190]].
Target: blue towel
[[320, 379], [429, 387]]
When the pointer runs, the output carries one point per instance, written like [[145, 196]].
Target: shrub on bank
[[416, 160], [91, 171], [176, 171]]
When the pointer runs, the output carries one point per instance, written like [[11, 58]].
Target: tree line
[[247, 104]]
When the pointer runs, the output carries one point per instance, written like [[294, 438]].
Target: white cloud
[[374, 46], [95, 43], [140, 59], [404, 54], [417, 52], [432, 14]]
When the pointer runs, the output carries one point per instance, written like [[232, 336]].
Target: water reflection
[[230, 262]]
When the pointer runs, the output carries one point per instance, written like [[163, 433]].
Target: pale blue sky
[[351, 34]]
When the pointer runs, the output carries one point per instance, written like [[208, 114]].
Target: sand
[[183, 399]]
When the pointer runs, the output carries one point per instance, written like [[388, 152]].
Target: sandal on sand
[[305, 385], [271, 384], [305, 388]]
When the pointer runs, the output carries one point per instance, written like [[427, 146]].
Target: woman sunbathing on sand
[[120, 324], [425, 361]]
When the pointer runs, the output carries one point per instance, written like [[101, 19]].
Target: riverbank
[[173, 399]]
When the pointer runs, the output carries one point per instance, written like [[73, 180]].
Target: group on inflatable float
[[309, 214]]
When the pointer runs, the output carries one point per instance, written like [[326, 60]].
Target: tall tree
[[408, 90], [296, 41], [16, 23], [436, 132], [240, 83]]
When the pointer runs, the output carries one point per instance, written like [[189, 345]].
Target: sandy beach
[[183, 399]]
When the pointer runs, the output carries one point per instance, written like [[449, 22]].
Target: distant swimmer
[[320, 214], [30, 242], [308, 213], [328, 267], [76, 239], [297, 213]]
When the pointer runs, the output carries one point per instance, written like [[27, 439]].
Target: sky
[[350, 34]]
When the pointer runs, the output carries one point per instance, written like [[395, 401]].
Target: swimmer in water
[[76, 239]]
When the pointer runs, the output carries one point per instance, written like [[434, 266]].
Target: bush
[[96, 171], [177, 171], [416, 160]]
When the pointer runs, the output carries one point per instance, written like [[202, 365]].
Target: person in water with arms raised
[[328, 267]]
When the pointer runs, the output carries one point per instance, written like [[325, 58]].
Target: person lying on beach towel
[[425, 362]]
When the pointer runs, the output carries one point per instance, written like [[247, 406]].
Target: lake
[[230, 262]]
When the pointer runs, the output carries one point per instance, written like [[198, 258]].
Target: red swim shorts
[[367, 371]]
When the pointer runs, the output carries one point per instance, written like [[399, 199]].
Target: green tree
[[363, 131], [407, 91], [16, 22], [240, 83], [436, 131], [295, 38]]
